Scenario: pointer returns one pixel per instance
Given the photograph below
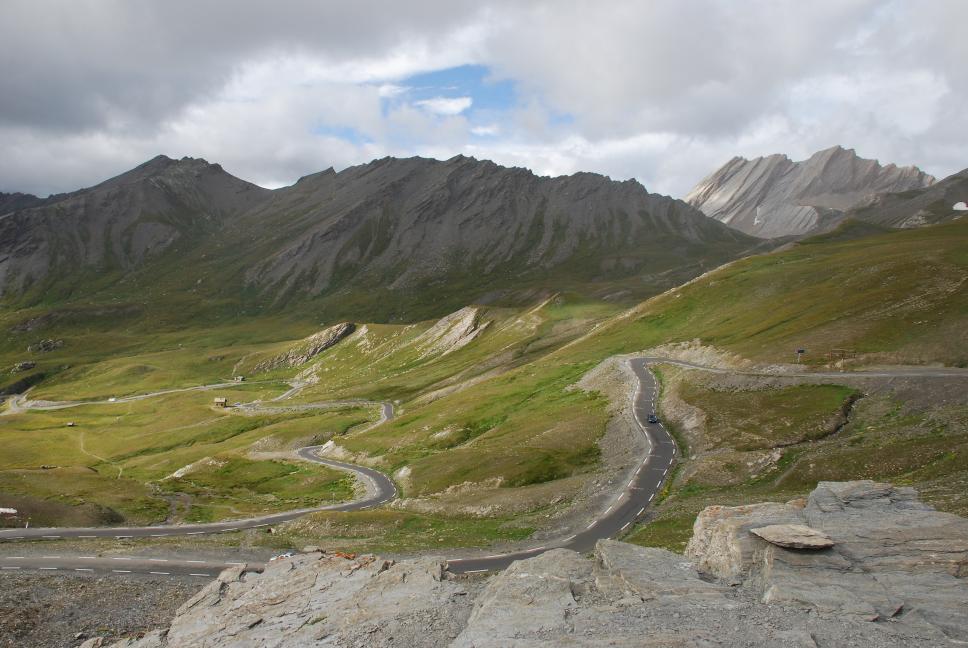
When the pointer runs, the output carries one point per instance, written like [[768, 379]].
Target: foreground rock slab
[[894, 575], [891, 557], [794, 536]]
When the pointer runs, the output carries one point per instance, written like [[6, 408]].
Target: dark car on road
[[653, 418]]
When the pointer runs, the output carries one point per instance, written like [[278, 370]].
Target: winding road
[[629, 505], [626, 508]]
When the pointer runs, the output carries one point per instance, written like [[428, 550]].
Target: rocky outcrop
[[451, 333], [308, 348], [45, 346], [892, 558], [774, 196], [793, 536]]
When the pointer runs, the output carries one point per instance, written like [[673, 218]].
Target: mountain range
[[396, 239], [393, 231], [774, 196]]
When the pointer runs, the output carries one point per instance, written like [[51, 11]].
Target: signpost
[[800, 352]]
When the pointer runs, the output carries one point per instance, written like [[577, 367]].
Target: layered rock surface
[[774, 196], [895, 576], [309, 348], [941, 202]]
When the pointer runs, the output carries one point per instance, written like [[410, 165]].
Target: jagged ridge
[[774, 196]]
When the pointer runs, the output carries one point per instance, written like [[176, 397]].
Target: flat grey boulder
[[794, 536], [889, 556]]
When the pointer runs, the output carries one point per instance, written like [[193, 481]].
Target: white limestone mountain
[[941, 202], [774, 196]]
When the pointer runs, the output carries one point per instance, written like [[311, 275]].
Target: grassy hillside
[[894, 297], [491, 433]]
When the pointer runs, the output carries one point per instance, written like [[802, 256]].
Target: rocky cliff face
[[119, 224], [939, 203], [889, 571], [775, 196]]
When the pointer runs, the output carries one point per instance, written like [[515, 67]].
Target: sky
[[664, 92]]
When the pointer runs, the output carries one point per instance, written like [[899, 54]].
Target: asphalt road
[[379, 490], [629, 505], [120, 566]]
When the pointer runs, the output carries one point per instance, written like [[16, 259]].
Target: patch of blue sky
[[347, 133], [472, 81]]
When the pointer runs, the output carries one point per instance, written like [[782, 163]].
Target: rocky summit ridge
[[889, 571], [774, 196], [392, 230]]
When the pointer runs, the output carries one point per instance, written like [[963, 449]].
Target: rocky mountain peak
[[774, 196]]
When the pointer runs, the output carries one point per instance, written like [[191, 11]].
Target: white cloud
[[390, 90], [663, 92], [491, 130], [445, 105]]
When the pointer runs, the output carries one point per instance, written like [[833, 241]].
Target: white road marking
[[49, 568], [609, 508], [664, 472], [50, 557], [195, 561], [159, 535], [9, 567], [121, 558], [88, 536], [651, 496], [591, 525], [123, 536], [157, 560], [51, 537], [160, 573], [475, 571], [626, 526], [235, 563], [199, 574], [641, 511], [88, 557], [195, 533], [121, 571], [539, 548], [83, 569]]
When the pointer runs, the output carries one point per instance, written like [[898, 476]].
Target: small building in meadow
[[221, 402]]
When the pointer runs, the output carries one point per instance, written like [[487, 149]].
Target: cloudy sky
[[660, 91]]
